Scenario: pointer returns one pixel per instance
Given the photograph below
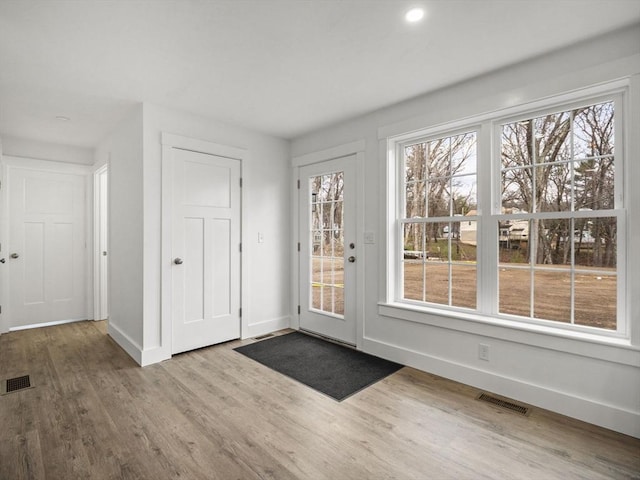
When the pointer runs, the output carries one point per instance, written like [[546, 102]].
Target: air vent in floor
[[507, 405], [15, 384]]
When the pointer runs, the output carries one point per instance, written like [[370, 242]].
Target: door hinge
[[240, 182], [298, 184], [241, 311], [298, 246], [298, 309], [241, 247]]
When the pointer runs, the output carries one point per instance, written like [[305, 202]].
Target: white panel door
[[205, 250], [46, 247], [328, 249]]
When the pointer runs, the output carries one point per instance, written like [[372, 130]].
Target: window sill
[[612, 349]]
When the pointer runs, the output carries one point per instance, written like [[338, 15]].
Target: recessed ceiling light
[[414, 15], [62, 118]]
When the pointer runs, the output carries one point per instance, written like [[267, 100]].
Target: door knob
[[352, 259], [14, 255], [177, 261], [2, 260]]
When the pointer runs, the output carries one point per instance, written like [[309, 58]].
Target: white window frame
[[401, 202], [487, 127]]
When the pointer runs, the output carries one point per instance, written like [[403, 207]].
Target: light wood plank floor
[[215, 414]]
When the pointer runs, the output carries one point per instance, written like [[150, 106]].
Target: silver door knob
[[352, 259], [177, 261], [14, 255]]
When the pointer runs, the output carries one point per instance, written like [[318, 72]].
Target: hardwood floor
[[215, 414]]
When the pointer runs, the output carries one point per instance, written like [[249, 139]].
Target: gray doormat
[[332, 369]]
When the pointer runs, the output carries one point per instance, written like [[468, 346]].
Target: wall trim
[[125, 342], [48, 324], [329, 153], [266, 326], [607, 416]]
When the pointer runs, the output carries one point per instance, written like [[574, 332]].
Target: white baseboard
[[607, 416], [154, 355], [267, 326], [126, 343], [46, 324]]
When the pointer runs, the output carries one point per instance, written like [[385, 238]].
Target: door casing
[[357, 150], [169, 142]]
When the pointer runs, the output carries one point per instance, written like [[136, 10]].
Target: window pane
[[316, 297], [437, 282], [554, 187], [515, 291], [415, 195], [463, 286], [552, 244], [439, 159], [552, 295], [551, 138], [413, 280], [463, 154], [595, 242], [439, 201], [513, 241], [595, 300], [517, 190], [516, 144], [594, 131], [464, 194], [413, 240], [594, 184], [415, 163], [464, 241]]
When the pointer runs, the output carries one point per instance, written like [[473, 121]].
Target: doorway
[[101, 239], [46, 256], [328, 249], [201, 243]]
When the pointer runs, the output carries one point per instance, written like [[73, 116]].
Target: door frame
[[169, 142], [98, 289], [356, 150], [9, 163]]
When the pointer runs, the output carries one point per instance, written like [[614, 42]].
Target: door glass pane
[[326, 208]]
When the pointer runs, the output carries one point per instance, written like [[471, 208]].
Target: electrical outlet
[[260, 237], [483, 352]]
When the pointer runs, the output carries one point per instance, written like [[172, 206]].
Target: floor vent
[[14, 384], [262, 337], [507, 405]]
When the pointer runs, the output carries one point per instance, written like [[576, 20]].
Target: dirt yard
[[595, 294]]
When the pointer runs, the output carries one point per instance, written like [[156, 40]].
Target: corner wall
[[265, 209], [585, 380], [123, 151]]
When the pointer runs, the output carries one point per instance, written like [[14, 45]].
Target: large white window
[[439, 224], [540, 242]]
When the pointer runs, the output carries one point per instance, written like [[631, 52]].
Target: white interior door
[[101, 251], [47, 250], [205, 250], [328, 249]]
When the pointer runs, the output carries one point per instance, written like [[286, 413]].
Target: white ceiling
[[283, 67]]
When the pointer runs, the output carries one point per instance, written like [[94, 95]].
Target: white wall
[[135, 226], [590, 381], [22, 147], [123, 149]]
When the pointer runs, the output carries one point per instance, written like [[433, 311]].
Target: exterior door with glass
[[328, 250]]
